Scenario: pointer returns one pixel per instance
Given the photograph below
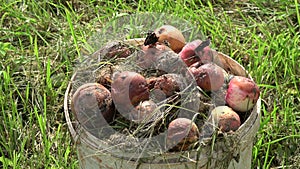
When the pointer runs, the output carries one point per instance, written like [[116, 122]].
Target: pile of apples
[[129, 93]]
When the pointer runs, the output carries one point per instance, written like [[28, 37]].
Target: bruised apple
[[205, 53], [168, 84], [115, 49], [128, 89], [209, 77], [92, 105], [182, 133], [225, 119], [242, 93], [150, 54], [187, 54], [168, 35], [145, 111]]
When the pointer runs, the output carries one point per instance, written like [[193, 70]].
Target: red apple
[[205, 53], [187, 54], [242, 94], [209, 77], [128, 89]]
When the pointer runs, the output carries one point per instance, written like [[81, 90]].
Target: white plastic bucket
[[232, 151]]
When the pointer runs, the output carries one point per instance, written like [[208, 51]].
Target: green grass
[[40, 41]]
